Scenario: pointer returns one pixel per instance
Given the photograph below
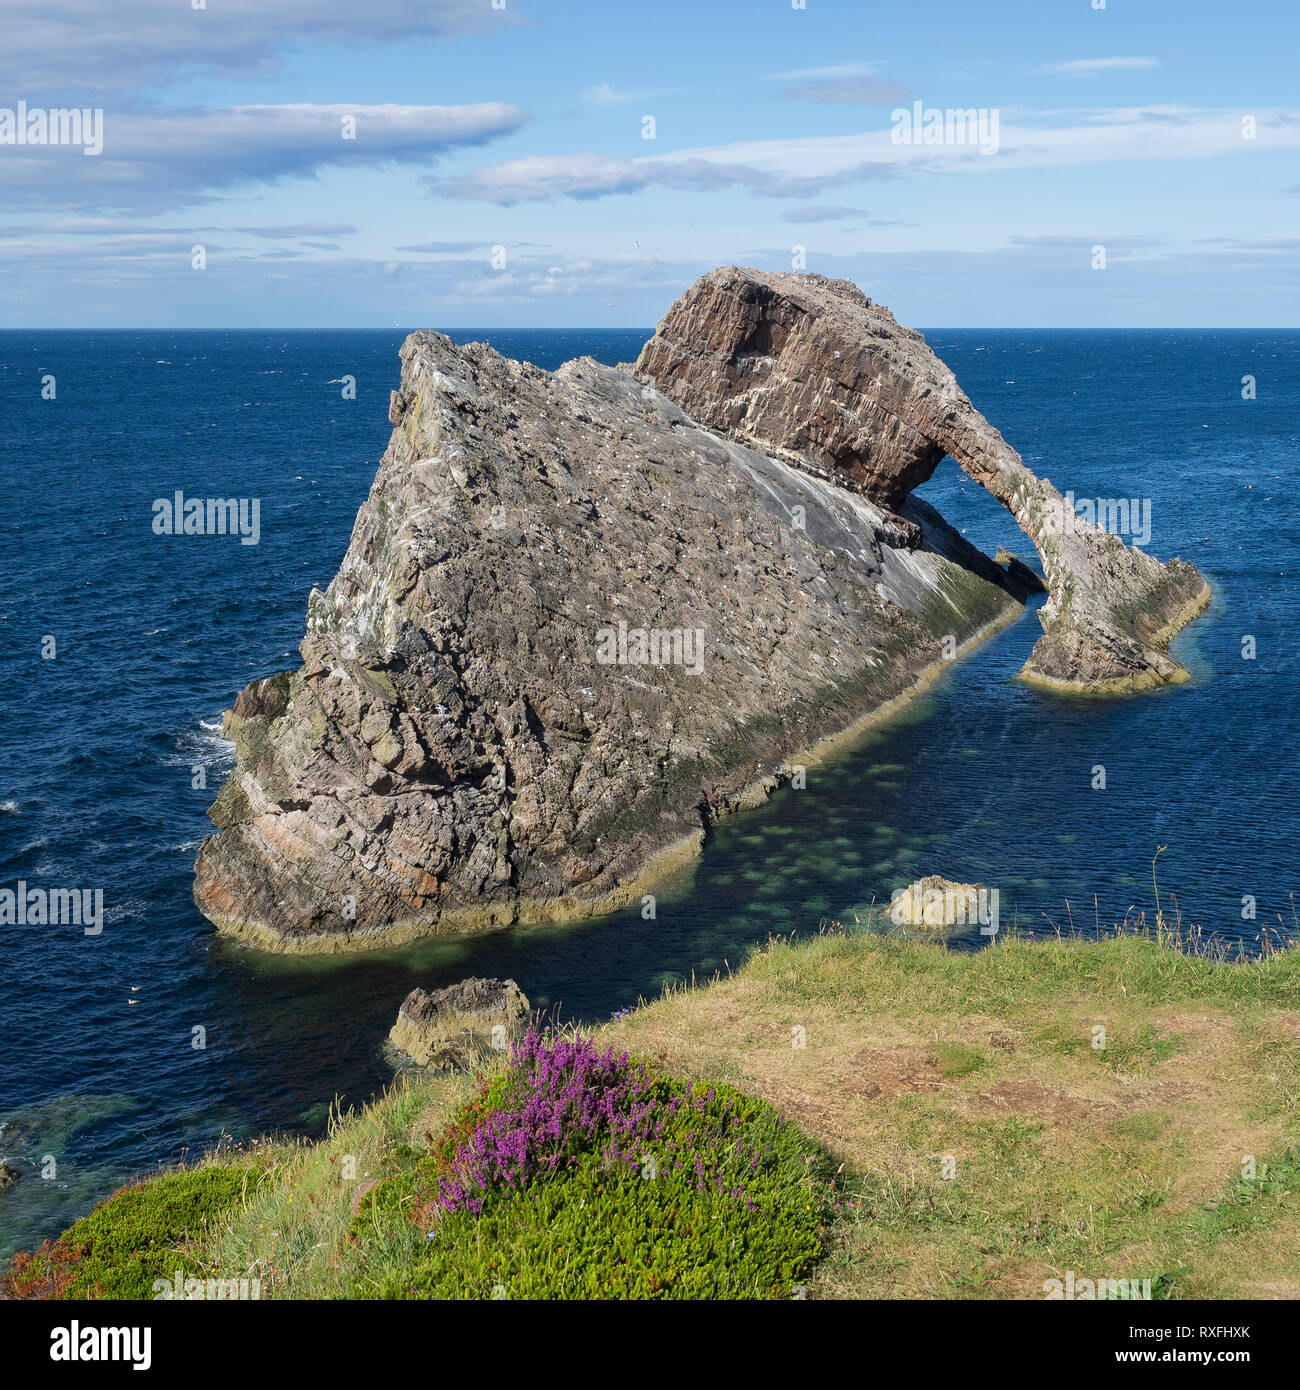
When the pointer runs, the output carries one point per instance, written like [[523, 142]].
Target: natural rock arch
[[810, 368]]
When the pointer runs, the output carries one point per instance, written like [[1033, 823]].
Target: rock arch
[[810, 369]]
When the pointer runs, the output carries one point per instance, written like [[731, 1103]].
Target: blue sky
[[522, 128]]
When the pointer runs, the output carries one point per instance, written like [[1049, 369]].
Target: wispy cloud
[[1090, 67], [606, 94], [800, 166], [1064, 250], [84, 226], [842, 83], [597, 176], [1023, 272], [1257, 244], [162, 161], [838, 70], [78, 47], [299, 229], [857, 91], [131, 263], [821, 212], [603, 94], [443, 248]]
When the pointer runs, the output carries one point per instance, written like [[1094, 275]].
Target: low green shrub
[[132, 1237], [575, 1174]]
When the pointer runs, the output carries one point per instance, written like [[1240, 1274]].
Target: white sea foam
[[133, 907], [201, 747]]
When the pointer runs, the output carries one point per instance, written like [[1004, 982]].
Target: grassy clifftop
[[871, 1118]]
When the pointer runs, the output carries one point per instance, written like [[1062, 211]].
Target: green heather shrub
[[576, 1174], [132, 1237]]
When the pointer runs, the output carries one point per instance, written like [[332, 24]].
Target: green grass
[[967, 1138], [1249, 1202], [957, 1059], [989, 1142], [136, 1236]]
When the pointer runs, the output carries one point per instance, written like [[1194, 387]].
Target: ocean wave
[[201, 747], [124, 911], [9, 808]]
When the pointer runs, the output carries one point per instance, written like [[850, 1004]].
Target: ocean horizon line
[[649, 328]]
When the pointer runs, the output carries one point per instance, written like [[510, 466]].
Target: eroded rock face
[[572, 627], [442, 1026], [811, 368], [264, 699]]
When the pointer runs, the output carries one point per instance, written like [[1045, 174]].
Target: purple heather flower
[[563, 1099]]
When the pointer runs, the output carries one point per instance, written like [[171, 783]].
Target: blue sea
[[981, 779]]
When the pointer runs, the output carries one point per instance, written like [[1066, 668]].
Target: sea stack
[[581, 617]]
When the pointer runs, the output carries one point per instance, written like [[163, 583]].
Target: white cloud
[[159, 161], [852, 83], [840, 70], [1023, 274], [603, 94], [299, 229], [597, 176], [71, 47], [234, 277], [1089, 67], [606, 94], [808, 164]]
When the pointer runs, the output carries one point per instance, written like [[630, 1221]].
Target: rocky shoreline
[[581, 618], [657, 867]]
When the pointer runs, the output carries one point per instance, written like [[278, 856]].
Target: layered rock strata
[[811, 369], [573, 626]]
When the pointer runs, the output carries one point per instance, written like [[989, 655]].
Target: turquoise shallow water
[[980, 779]]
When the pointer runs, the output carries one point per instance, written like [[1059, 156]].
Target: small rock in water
[[438, 1027], [935, 907]]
